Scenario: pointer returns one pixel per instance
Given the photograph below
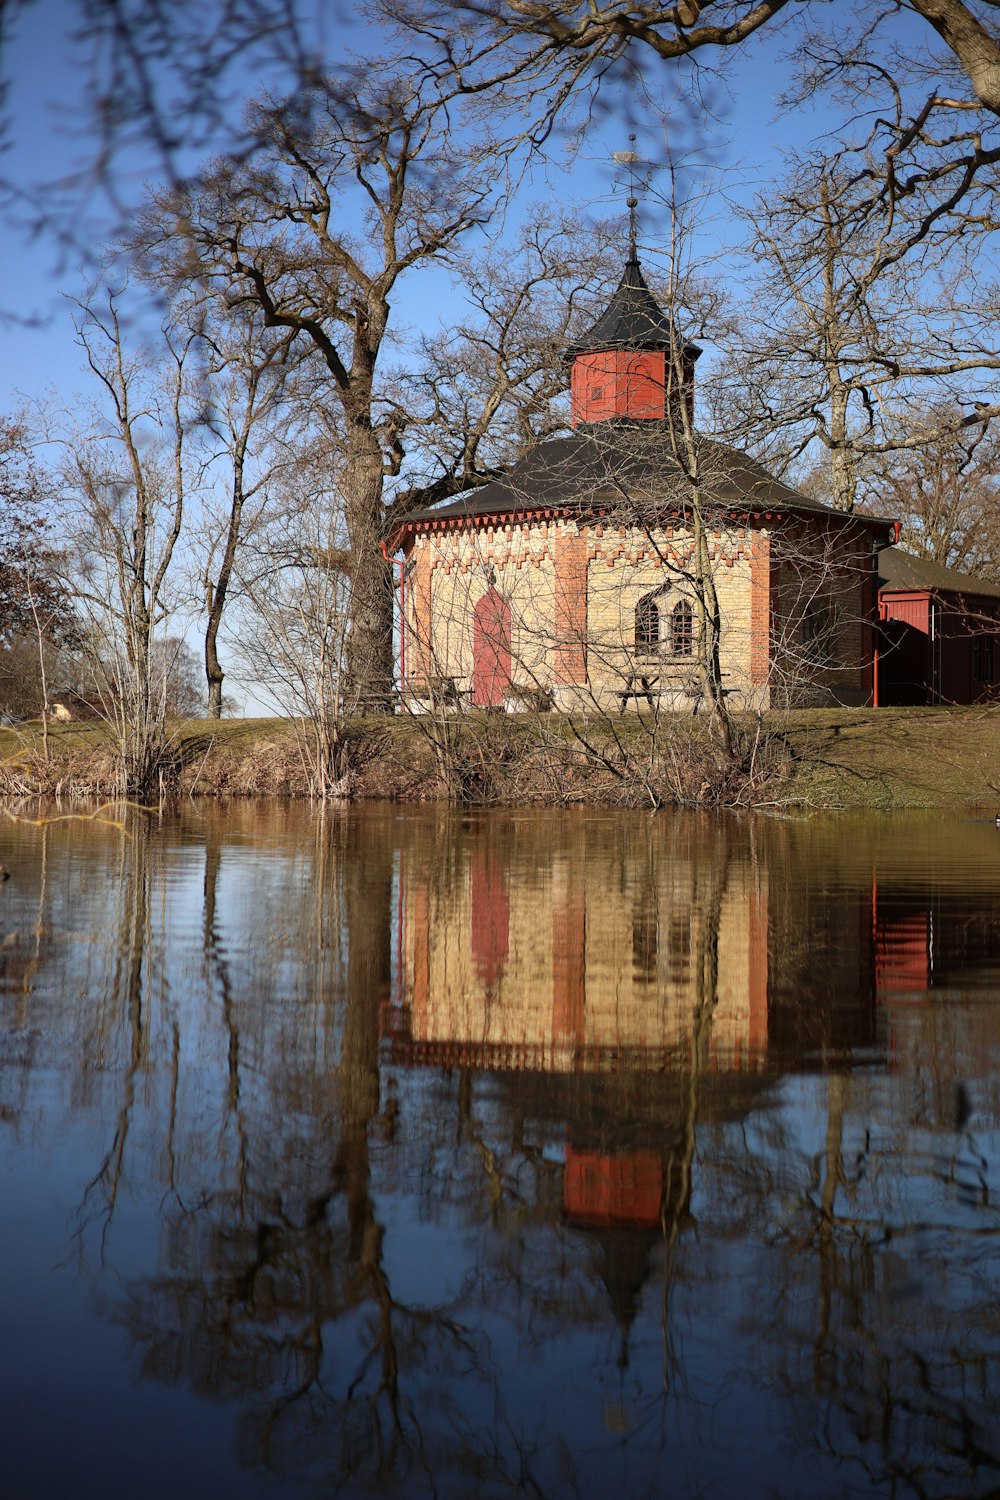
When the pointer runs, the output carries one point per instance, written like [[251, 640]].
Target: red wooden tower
[[632, 363]]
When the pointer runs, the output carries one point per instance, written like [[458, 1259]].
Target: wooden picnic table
[[641, 681]]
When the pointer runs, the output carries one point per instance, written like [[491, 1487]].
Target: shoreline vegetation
[[832, 758]]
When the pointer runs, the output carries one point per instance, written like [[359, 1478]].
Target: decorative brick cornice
[[529, 518]]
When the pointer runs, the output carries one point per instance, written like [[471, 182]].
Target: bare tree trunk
[[843, 468], [709, 627], [368, 653], [217, 592]]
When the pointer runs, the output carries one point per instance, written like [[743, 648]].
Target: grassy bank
[[889, 758]]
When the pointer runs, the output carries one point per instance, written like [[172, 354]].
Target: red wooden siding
[[618, 383], [904, 652], [604, 1189], [931, 644]]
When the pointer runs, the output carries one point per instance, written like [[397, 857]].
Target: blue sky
[[738, 147], [49, 142]]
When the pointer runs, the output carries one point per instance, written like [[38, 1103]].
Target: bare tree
[[36, 616], [178, 680], [848, 351], [127, 484], [246, 372], [946, 491], [295, 628], [272, 238]]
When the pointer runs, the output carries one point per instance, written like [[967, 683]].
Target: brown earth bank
[[849, 758]]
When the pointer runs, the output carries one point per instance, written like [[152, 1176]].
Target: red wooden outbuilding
[[939, 633]]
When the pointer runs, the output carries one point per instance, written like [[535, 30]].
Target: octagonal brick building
[[572, 583]]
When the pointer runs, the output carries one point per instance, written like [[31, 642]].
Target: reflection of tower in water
[[607, 1003]]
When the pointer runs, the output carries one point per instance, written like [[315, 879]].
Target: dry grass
[[886, 758], [894, 757]]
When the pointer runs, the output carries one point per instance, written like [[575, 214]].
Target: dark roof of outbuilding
[[606, 462], [900, 573], [633, 319]]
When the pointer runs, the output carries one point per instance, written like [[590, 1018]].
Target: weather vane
[[631, 159]]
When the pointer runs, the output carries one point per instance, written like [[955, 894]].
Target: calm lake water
[[407, 1152]]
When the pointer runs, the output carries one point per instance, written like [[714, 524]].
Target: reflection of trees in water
[[246, 1089], [270, 1239], [873, 1311], [284, 1248], [121, 1011]]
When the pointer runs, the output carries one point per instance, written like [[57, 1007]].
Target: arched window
[[682, 629], [647, 626]]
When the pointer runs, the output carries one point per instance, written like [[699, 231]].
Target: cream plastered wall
[[586, 650], [453, 570], [547, 972]]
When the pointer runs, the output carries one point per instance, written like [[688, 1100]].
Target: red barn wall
[[904, 660], [927, 649]]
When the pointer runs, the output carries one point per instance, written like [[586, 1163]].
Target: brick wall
[[590, 972], [574, 590]]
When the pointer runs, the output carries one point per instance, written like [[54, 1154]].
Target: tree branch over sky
[[844, 349], [917, 98], [162, 83], [358, 188]]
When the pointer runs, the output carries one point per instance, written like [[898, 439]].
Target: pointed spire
[[633, 319], [619, 365]]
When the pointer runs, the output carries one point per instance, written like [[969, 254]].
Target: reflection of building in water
[[902, 952], [924, 941], [569, 966], [935, 910], [597, 977], [604, 991], [934, 942]]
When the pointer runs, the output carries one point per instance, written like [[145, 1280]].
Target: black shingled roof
[[633, 319], [602, 463], [900, 572]]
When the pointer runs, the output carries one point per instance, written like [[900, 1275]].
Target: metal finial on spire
[[630, 159], [632, 205]]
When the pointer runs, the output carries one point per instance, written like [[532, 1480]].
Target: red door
[[491, 651]]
